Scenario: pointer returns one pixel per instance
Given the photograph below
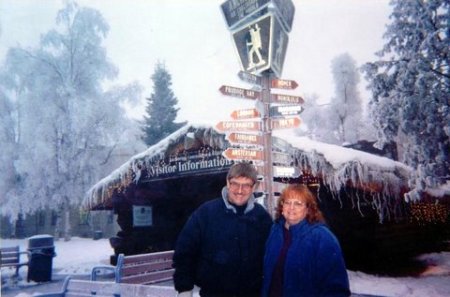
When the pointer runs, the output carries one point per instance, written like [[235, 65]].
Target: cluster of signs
[[260, 32], [246, 130]]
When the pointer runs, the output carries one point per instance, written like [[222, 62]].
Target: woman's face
[[294, 210]]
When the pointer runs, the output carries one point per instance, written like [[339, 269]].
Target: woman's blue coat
[[314, 264]]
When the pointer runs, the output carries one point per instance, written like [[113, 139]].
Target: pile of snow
[[79, 255]]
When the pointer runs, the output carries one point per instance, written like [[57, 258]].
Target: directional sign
[[286, 99], [286, 123], [285, 110], [281, 144], [244, 138], [243, 154], [239, 92], [224, 126], [285, 171], [245, 114], [250, 78], [281, 158], [283, 84]]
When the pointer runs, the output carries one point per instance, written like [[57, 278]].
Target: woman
[[302, 257]]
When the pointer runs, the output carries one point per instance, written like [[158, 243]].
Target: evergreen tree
[[410, 86], [159, 121]]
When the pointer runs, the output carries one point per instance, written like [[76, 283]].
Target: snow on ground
[[78, 256]]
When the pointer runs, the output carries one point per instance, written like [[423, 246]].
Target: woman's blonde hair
[[302, 193]]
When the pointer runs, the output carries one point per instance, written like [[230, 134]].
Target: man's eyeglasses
[[294, 203], [236, 186]]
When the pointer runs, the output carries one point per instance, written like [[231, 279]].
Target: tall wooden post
[[267, 140]]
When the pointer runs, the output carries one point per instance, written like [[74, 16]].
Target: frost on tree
[[410, 84], [66, 124]]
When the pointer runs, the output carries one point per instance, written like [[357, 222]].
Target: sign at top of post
[[237, 12]]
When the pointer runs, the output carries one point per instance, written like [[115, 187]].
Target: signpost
[[250, 78], [259, 29], [245, 138], [283, 84], [245, 114], [243, 154], [279, 98], [225, 126], [285, 110], [286, 123], [285, 171], [239, 92]]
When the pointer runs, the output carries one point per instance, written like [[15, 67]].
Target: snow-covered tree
[[316, 120], [161, 112], [411, 89], [346, 106], [66, 124]]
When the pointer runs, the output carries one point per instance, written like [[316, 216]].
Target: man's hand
[[185, 294]]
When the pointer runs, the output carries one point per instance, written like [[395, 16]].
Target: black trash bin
[[98, 234], [42, 251]]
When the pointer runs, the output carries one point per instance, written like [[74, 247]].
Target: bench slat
[[149, 257], [149, 278], [9, 249], [141, 268], [10, 257], [93, 288]]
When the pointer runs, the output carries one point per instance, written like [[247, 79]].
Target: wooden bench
[[139, 269], [85, 288], [11, 257]]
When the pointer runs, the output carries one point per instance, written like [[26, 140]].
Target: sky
[[434, 281], [192, 39]]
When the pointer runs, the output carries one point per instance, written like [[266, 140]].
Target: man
[[221, 247]]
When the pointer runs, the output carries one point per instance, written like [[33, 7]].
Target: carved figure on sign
[[254, 47]]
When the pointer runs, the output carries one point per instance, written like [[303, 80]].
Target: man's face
[[240, 190]]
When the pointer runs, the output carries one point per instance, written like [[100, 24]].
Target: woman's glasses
[[293, 203]]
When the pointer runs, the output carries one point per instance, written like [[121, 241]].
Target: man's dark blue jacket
[[314, 263], [222, 251]]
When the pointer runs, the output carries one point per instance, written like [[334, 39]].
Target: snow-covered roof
[[338, 165], [335, 165]]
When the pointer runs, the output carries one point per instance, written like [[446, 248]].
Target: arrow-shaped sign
[[245, 114], [224, 126], [285, 110], [285, 171], [285, 123], [250, 78], [244, 138], [242, 154], [286, 99], [239, 92], [283, 84]]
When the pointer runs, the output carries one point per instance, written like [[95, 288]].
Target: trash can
[[98, 234], [42, 251]]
